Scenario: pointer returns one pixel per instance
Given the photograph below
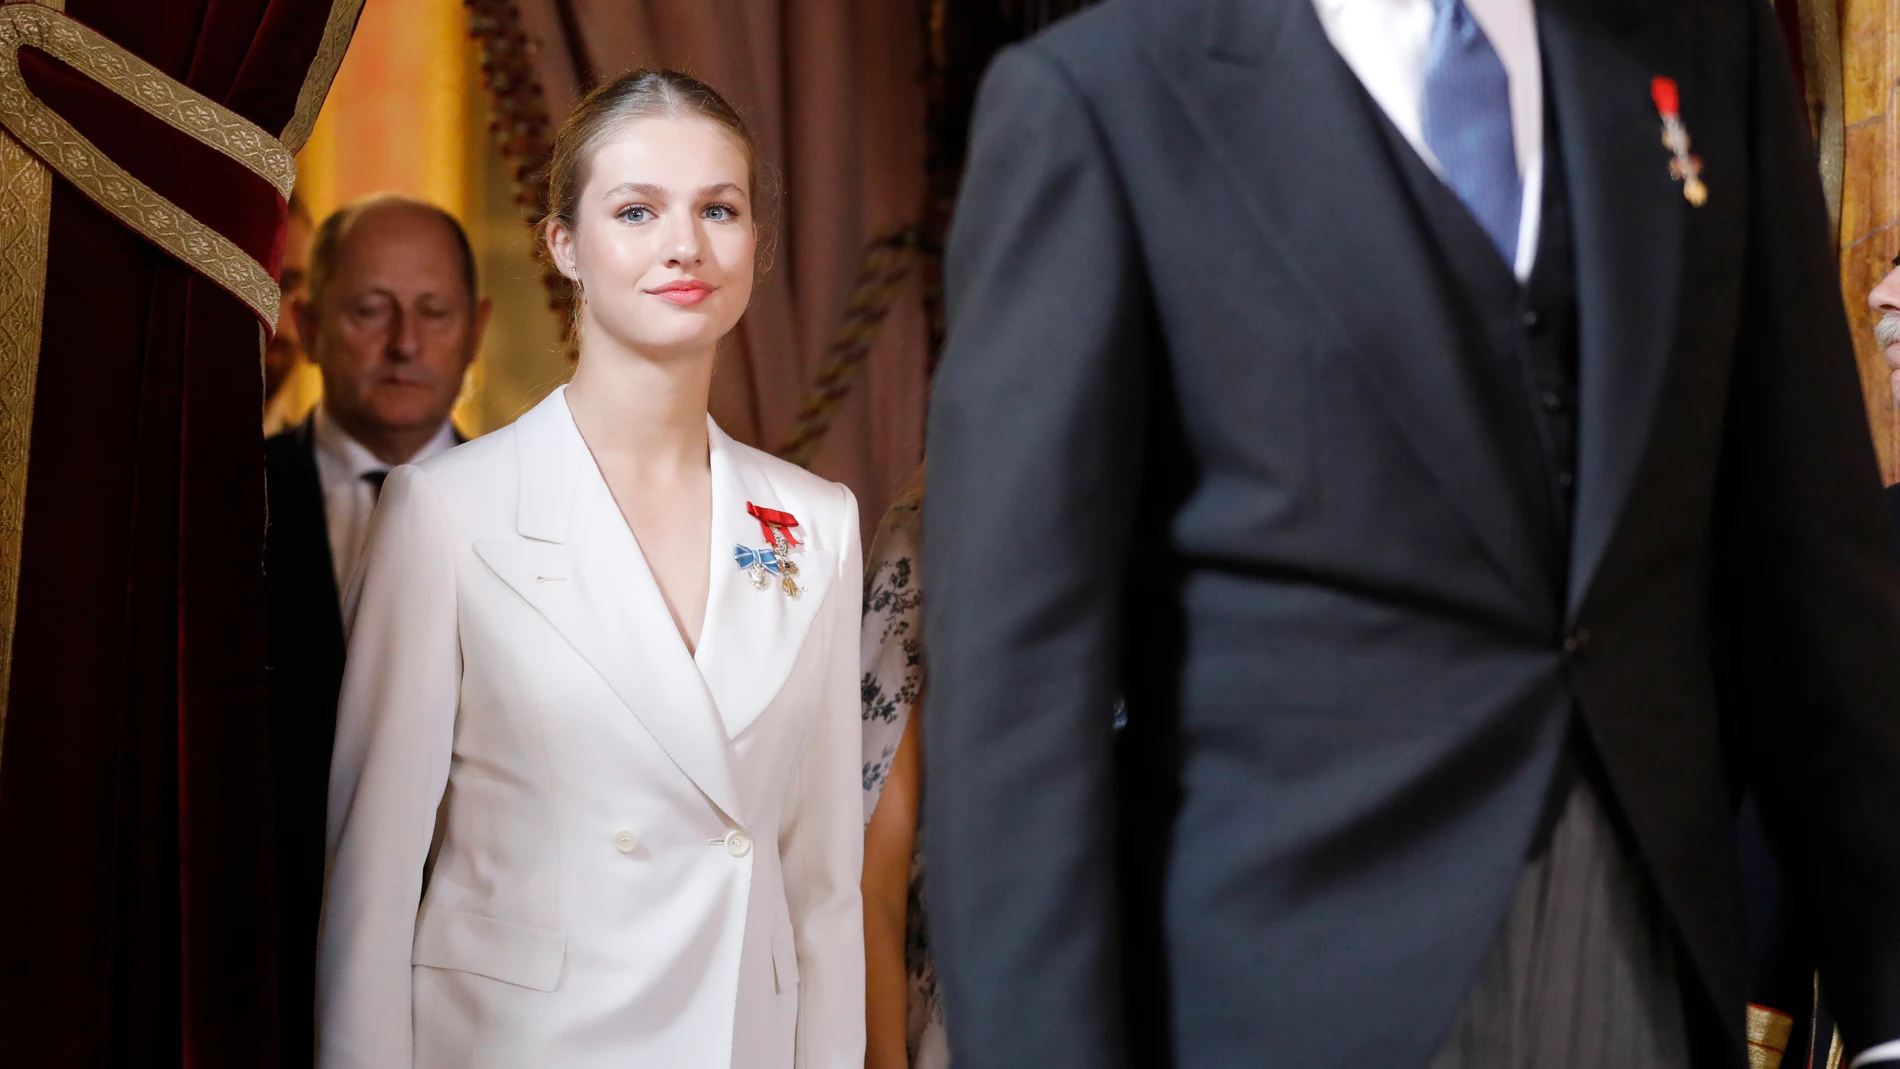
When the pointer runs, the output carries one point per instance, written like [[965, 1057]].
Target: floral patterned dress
[[893, 684]]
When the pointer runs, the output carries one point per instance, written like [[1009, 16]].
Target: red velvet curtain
[[135, 863]]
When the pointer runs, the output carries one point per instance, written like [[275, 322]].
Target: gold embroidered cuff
[[1768, 1032]]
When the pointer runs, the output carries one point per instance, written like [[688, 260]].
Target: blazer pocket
[[784, 960], [500, 950]]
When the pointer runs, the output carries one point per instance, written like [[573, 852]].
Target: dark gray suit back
[[1235, 422]]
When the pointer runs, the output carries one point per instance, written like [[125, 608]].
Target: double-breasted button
[[625, 841], [1577, 641], [738, 843]]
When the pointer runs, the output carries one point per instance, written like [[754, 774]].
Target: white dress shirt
[[1385, 43], [348, 498]]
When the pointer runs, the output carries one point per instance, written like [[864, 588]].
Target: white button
[[625, 842], [737, 844]]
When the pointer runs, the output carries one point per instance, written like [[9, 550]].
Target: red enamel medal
[[1683, 167]]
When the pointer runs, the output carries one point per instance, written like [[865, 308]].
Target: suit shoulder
[[1097, 41], [286, 447], [793, 483], [476, 472], [1097, 60], [1112, 23]]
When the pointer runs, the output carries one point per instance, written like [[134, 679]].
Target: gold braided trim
[[518, 116], [882, 269], [337, 32], [1768, 1032], [26, 210], [182, 109], [80, 162]]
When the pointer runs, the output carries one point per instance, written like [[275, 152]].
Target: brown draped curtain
[[135, 856], [834, 91]]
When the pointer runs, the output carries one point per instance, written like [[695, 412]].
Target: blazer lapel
[[752, 637], [578, 564], [1629, 217], [1310, 163]]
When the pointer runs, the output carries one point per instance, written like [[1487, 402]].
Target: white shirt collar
[[353, 459]]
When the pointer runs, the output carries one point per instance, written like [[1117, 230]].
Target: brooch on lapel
[[1683, 167], [777, 527], [756, 563]]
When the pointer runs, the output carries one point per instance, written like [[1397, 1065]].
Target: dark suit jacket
[[1781, 951], [1207, 432], [306, 672], [1893, 512]]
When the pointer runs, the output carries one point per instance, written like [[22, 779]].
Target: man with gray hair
[[392, 317]]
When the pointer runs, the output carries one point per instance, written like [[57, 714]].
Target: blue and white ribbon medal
[[758, 564]]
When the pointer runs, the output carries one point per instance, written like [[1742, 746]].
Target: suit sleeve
[[822, 841], [395, 730], [1035, 445], [1821, 601]]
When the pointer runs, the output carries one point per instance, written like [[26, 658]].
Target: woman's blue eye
[[721, 212], [636, 214]]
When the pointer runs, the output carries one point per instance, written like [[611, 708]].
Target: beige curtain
[[833, 89]]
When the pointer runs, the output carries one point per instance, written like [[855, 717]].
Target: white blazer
[[626, 856]]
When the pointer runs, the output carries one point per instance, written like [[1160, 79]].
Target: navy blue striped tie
[[1467, 123]]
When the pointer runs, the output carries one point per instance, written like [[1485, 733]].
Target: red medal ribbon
[[1663, 92], [771, 518]]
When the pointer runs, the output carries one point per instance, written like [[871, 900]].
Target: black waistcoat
[[1529, 328]]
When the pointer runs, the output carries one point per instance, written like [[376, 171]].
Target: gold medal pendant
[[786, 566], [1684, 166]]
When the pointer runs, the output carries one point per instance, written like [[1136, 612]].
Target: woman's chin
[[688, 336]]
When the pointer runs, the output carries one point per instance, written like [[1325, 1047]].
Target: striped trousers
[[1582, 975]]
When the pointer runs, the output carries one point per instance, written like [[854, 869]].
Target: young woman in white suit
[[600, 717]]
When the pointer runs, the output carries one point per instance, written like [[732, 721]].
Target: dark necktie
[[1467, 123], [375, 481]]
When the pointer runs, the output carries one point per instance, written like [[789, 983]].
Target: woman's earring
[[580, 290]]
